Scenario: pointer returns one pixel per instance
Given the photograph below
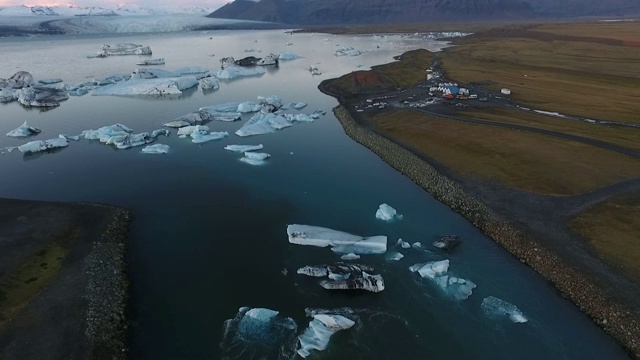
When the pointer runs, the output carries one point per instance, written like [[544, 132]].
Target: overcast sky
[[112, 3]]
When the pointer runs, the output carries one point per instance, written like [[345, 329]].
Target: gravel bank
[[606, 311]]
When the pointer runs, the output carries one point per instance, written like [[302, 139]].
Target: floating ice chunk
[[271, 59], [271, 100], [124, 49], [395, 256], [227, 62], [199, 137], [49, 81], [224, 116], [234, 71], [151, 62], [191, 70], [226, 107], [459, 289], [368, 282], [263, 124], [42, 145], [106, 132], [345, 277], [209, 83], [447, 243], [387, 213], [249, 107], [259, 334], [193, 118], [8, 94], [130, 140], [255, 158], [494, 307], [69, 137], [403, 244], [314, 70], [299, 118], [432, 269], [153, 74], [323, 237], [158, 132], [314, 271], [19, 80], [188, 130], [24, 130], [297, 106], [163, 86], [416, 245], [288, 56], [318, 334], [41, 96], [156, 149], [7, 149], [350, 256], [243, 148]]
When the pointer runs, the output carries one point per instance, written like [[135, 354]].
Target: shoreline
[[608, 313]]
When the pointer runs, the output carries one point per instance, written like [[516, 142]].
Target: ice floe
[[403, 244], [160, 86], [459, 289], [432, 269], [199, 136], [387, 213], [255, 158], [23, 130], [344, 276], [151, 62], [124, 49], [121, 136], [297, 106], [259, 334], [318, 334], [41, 96], [494, 307], [249, 107], [234, 71], [395, 256], [263, 124], [447, 243], [194, 118], [209, 83], [350, 256], [42, 145], [271, 59], [341, 242], [156, 149], [243, 148]]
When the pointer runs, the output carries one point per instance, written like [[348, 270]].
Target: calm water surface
[[209, 231]]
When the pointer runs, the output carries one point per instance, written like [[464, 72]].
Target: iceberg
[[447, 243], [259, 334], [248, 61], [199, 137], [194, 118], [459, 289], [42, 145], [318, 334], [494, 307], [151, 62], [249, 107], [416, 245], [69, 137], [160, 86], [105, 133], [344, 276], [23, 131], [243, 148], [130, 140], [41, 96], [49, 81], [387, 213], [324, 237], [226, 107], [403, 244], [271, 59], [432, 269], [272, 100], [297, 106], [234, 71], [263, 124], [350, 256], [188, 130], [124, 49], [19, 80], [395, 256], [209, 83], [153, 74], [288, 56], [8, 94], [156, 149], [255, 158]]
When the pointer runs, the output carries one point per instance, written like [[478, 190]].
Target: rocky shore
[[604, 309]]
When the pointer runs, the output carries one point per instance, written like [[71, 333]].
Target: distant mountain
[[23, 10], [326, 12]]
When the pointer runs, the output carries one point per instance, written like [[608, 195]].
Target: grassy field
[[612, 229], [612, 30], [581, 77], [517, 159], [622, 136]]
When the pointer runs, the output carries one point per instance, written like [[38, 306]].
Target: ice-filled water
[[209, 234]]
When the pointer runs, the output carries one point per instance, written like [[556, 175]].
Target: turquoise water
[[209, 233]]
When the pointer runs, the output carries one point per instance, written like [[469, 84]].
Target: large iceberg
[[263, 124], [387, 213], [318, 334], [106, 132], [161, 86], [121, 136], [259, 334], [249, 107], [24, 130], [226, 107], [324, 237], [243, 148], [203, 136], [345, 277], [494, 307], [42, 145], [234, 71], [255, 158]]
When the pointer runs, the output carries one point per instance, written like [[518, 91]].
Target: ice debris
[[387, 213], [243, 148], [432, 269], [344, 276], [494, 307], [24, 130], [255, 158], [271, 59], [41, 96], [42, 145], [350, 256], [209, 83], [151, 62], [403, 244], [314, 70], [341, 242], [156, 149]]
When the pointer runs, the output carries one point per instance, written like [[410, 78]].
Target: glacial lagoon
[[210, 231]]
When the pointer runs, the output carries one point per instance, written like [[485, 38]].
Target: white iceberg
[[105, 133], [209, 83], [403, 244], [288, 56], [199, 137], [188, 130], [243, 148], [255, 158], [324, 237], [432, 269], [395, 256], [233, 72], [494, 307], [162, 86], [271, 59], [417, 245], [387, 213], [350, 256], [249, 107], [24, 130], [156, 149], [151, 62], [226, 107], [193, 118], [273, 100], [459, 289], [42, 145], [318, 334], [263, 124], [124, 49]]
